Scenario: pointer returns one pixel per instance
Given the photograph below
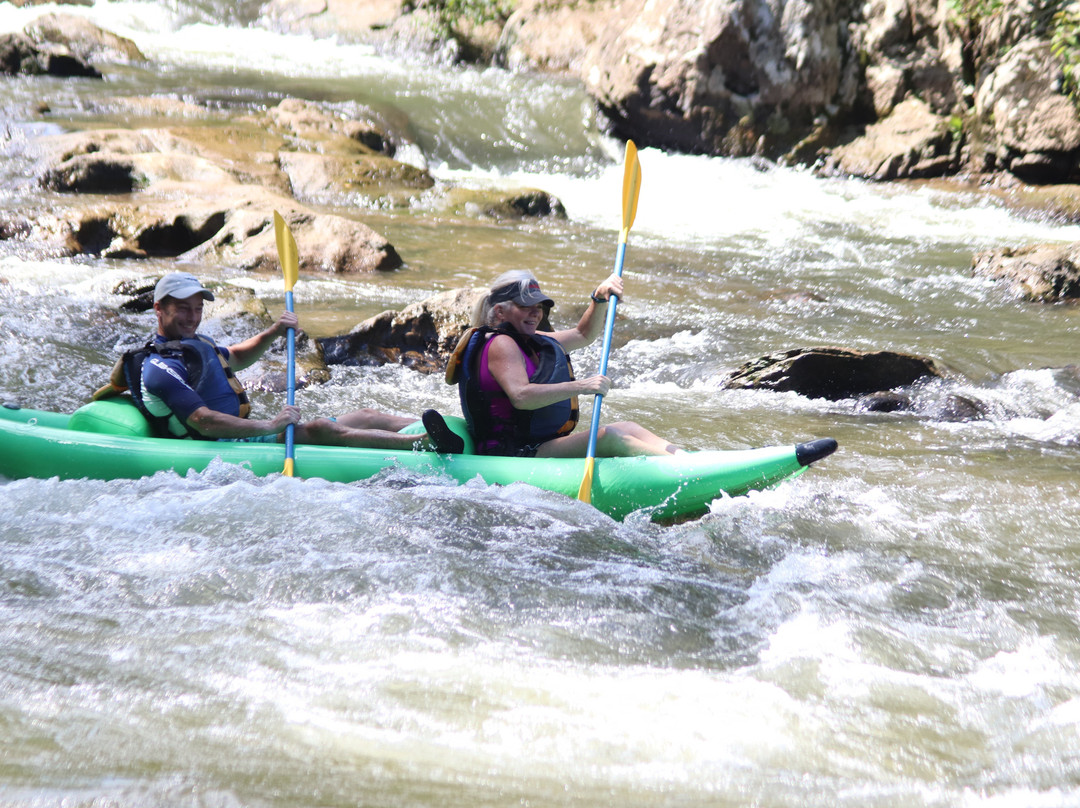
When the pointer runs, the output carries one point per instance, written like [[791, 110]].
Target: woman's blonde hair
[[484, 312]]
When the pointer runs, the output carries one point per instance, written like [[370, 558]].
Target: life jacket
[[526, 427], [126, 377]]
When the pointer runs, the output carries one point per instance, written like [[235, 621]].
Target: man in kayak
[[517, 388], [188, 382]]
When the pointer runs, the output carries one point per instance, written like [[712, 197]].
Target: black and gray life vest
[[196, 354], [526, 427]]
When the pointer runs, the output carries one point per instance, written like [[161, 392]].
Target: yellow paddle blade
[[286, 250], [584, 493], [630, 189], [288, 470]]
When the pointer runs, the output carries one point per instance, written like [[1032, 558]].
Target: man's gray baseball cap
[[180, 285]]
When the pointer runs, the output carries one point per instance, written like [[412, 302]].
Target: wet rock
[[1060, 203], [83, 39], [911, 143], [314, 175], [885, 401], [420, 336], [1034, 125], [139, 294], [317, 128], [956, 407], [833, 373], [347, 19], [1041, 273], [20, 56], [947, 407], [221, 217], [501, 204]]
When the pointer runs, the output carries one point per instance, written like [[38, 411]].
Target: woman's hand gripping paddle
[[290, 268], [631, 187]]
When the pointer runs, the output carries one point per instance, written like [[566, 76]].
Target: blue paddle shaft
[[609, 328], [290, 377]]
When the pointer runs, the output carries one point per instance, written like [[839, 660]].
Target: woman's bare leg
[[622, 439]]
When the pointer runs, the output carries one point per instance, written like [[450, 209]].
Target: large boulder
[[911, 143], [83, 39], [833, 373], [1041, 273], [734, 78], [1034, 126], [314, 176], [325, 242], [553, 37], [420, 336], [345, 130], [155, 160], [232, 227], [786, 79], [345, 19], [911, 50], [21, 56], [223, 218]]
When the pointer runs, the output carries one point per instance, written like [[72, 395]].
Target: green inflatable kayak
[[110, 439]]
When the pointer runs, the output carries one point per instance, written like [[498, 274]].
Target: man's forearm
[[247, 353], [213, 424]]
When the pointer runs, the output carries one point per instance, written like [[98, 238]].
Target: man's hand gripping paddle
[[631, 187], [290, 268]]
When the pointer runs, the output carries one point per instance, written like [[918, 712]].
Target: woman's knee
[[613, 437], [318, 430]]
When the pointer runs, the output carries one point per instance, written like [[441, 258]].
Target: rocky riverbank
[[886, 89], [977, 95]]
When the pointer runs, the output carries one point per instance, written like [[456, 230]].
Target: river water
[[897, 627]]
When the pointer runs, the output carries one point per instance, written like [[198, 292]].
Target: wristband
[[596, 299]]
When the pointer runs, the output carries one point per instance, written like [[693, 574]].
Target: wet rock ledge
[[176, 179]]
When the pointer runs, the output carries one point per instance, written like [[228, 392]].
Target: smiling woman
[[517, 387]]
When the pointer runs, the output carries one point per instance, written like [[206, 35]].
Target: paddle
[[631, 187], [290, 268]]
